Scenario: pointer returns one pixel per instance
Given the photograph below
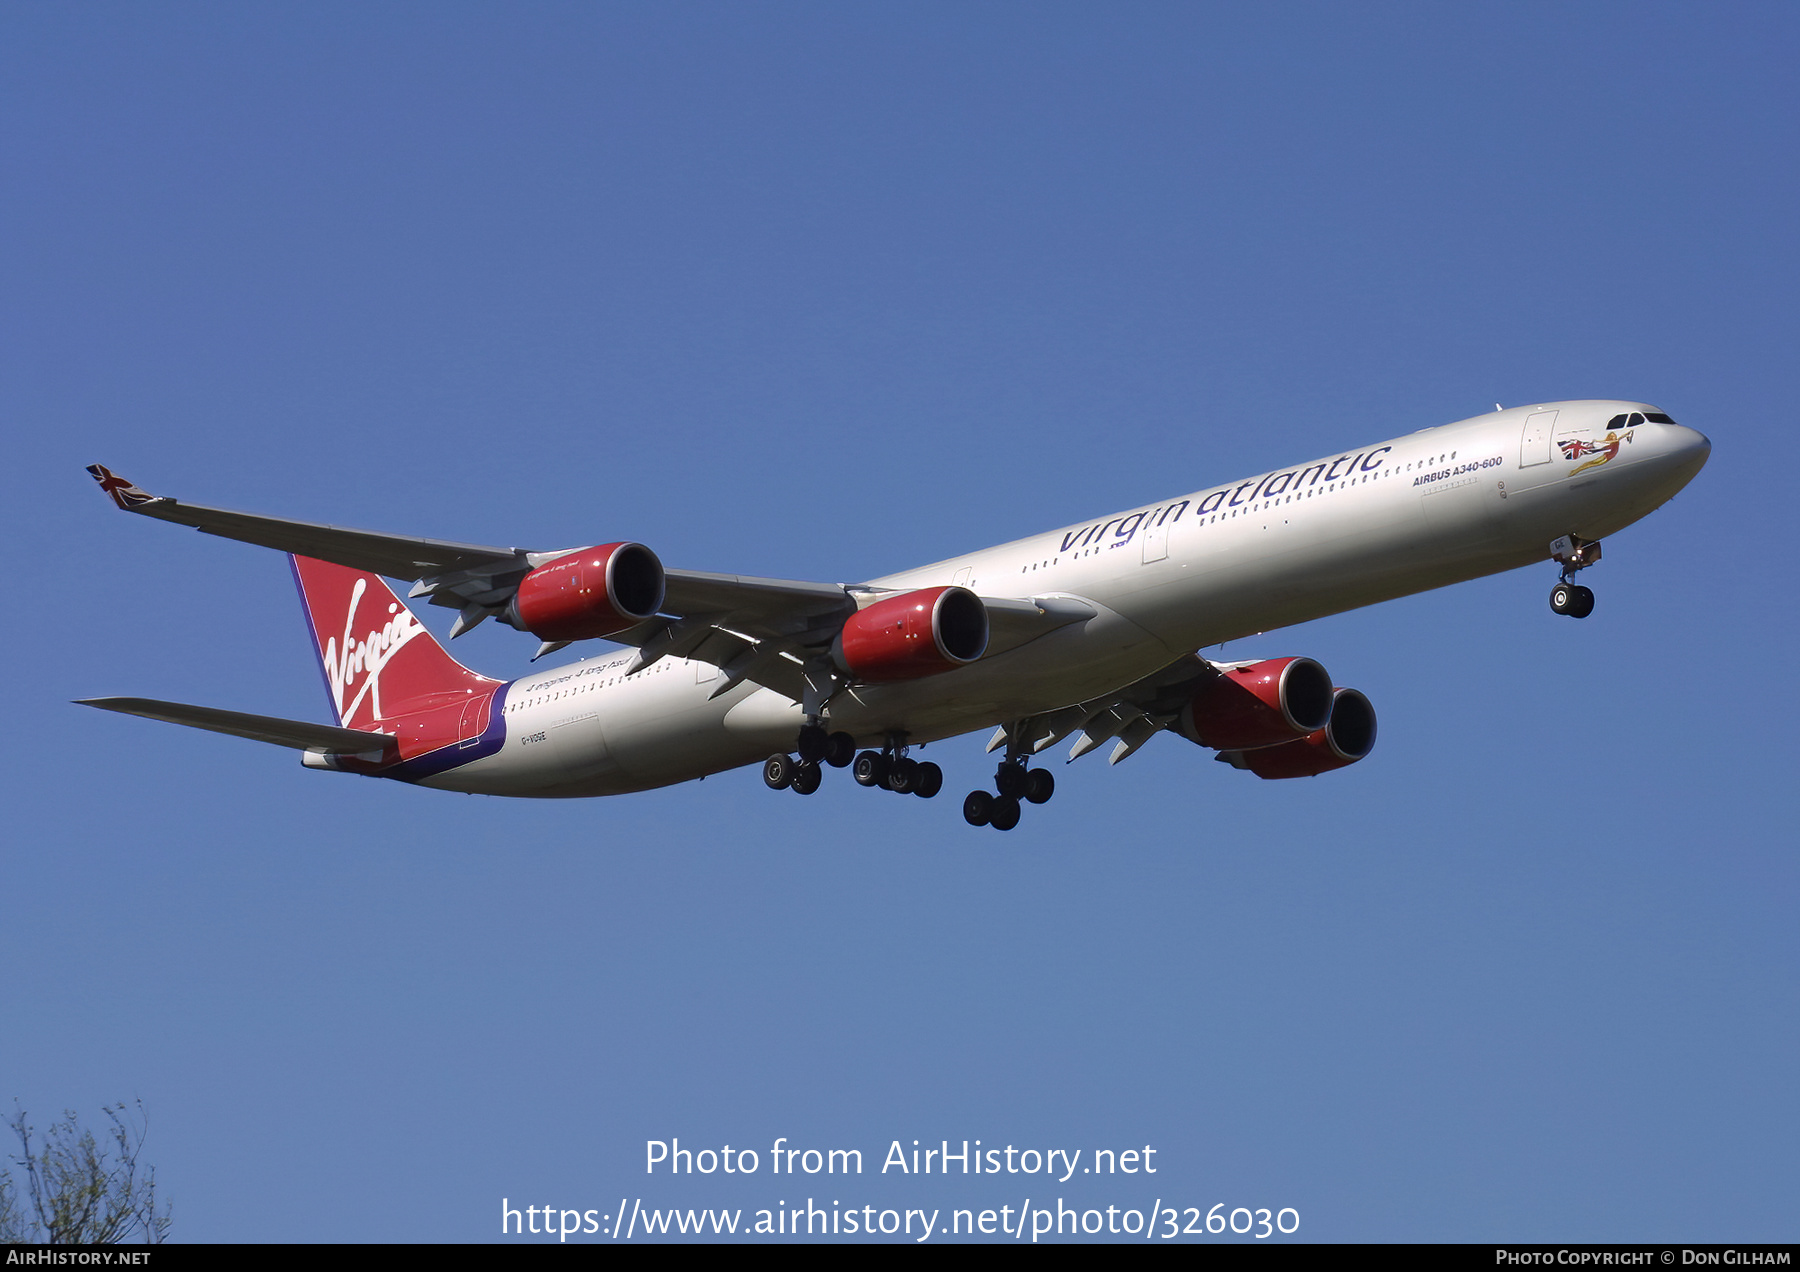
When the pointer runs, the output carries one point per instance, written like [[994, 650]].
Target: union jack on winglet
[[123, 493]]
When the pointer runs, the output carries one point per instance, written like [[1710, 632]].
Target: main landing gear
[[888, 768], [1014, 782], [803, 775], [835, 749], [783, 772], [1573, 553], [892, 770]]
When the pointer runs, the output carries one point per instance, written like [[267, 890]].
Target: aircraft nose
[[1691, 444], [1679, 452]]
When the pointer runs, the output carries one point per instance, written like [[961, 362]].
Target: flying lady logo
[[1602, 451], [347, 659]]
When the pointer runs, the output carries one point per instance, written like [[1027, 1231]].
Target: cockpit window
[[1657, 417], [1635, 418]]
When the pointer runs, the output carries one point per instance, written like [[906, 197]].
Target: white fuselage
[[1402, 516]]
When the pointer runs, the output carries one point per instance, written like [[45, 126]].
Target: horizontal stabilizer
[[299, 734]]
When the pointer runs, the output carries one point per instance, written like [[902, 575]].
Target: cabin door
[[1534, 442]]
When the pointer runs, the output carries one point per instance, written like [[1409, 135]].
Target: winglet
[[124, 494]]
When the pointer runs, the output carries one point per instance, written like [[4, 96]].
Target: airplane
[[1089, 631]]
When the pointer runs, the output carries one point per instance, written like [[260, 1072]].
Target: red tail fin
[[378, 659]]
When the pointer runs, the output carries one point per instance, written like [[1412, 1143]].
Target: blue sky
[[823, 292]]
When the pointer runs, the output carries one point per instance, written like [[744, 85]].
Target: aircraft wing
[[692, 592], [1133, 715], [757, 629], [441, 561], [299, 734], [744, 624], [394, 555], [766, 630]]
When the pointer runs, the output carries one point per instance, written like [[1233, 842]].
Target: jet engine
[[598, 591], [1264, 704], [914, 634], [1345, 739]]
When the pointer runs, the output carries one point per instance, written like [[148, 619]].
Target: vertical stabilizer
[[379, 661]]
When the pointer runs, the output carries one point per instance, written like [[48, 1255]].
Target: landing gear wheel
[[1583, 603], [778, 772], [1010, 781], [840, 750], [978, 807], [1040, 785], [903, 777], [1562, 597], [930, 780], [871, 768], [814, 742], [807, 776], [1005, 814]]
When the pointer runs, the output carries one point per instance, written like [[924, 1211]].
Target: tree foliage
[[79, 1191]]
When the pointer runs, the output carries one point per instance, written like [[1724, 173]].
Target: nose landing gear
[[1572, 599], [1573, 553]]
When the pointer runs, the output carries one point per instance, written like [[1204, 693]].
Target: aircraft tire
[[978, 807], [1006, 813], [807, 776], [840, 750], [931, 780], [1583, 603], [1010, 781], [1040, 785], [1562, 598], [870, 768], [903, 777], [778, 772], [814, 742]]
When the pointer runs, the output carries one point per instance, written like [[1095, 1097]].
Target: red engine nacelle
[[915, 634], [598, 591], [1348, 737], [1264, 704]]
